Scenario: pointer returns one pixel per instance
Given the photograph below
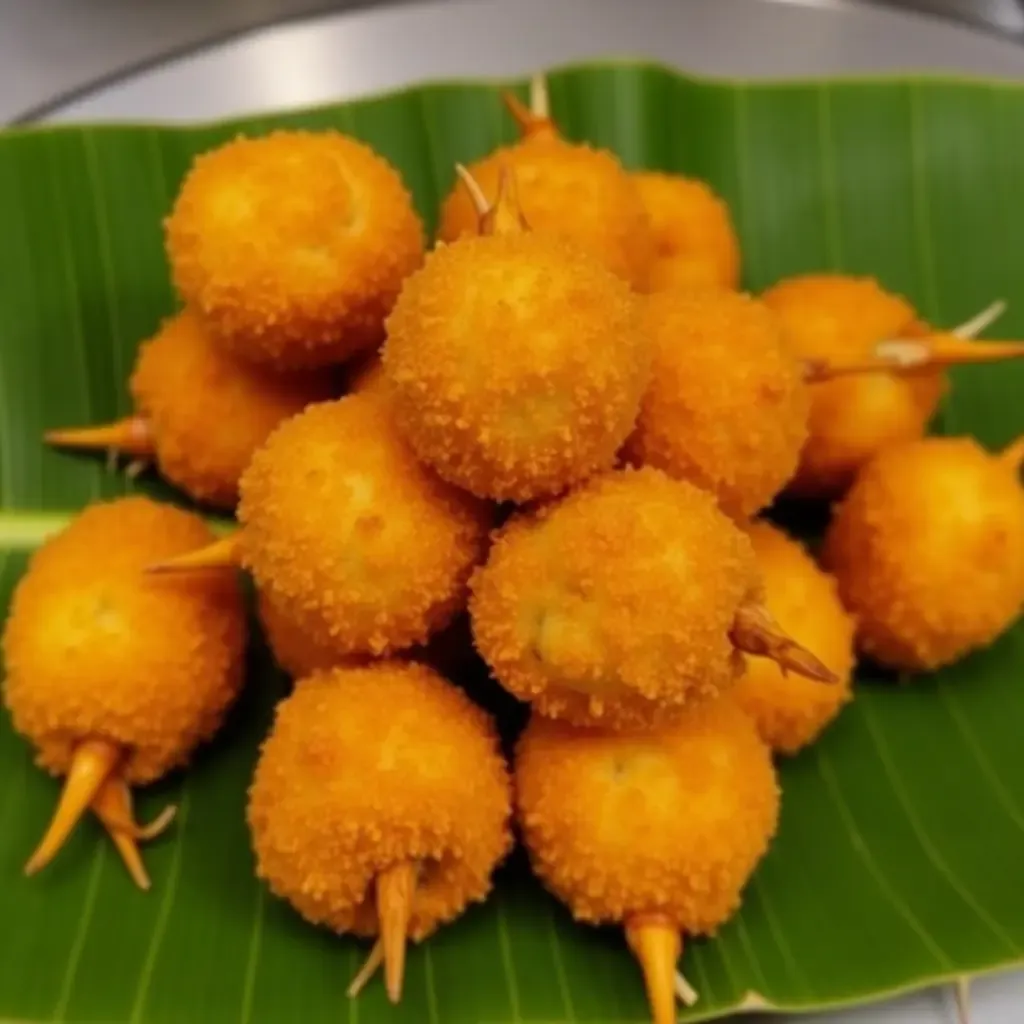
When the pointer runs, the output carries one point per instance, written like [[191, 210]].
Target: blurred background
[[55, 50]]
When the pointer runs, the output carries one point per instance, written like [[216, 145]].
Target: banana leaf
[[899, 856]]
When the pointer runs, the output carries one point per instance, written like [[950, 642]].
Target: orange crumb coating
[[789, 710], [928, 549], [726, 407], [207, 411], [299, 655], [365, 768], [572, 191], [366, 548], [293, 245], [96, 649], [615, 605], [695, 243], [296, 652], [669, 822], [833, 318], [516, 365]]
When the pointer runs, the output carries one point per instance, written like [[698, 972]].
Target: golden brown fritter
[[928, 549], [96, 649], [296, 652], [515, 364], [369, 768], [695, 243], [114, 676], [788, 710], [199, 413], [293, 245], [567, 190], [208, 412], [448, 651], [669, 821], [726, 407], [831, 318], [368, 550], [616, 604]]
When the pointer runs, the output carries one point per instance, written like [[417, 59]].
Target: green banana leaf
[[898, 862]]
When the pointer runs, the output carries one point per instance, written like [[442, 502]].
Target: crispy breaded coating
[[96, 649], [207, 411], [367, 767], [832, 318], [367, 549], [615, 605], [567, 190], [695, 243], [726, 407], [293, 245], [789, 710], [928, 549], [670, 821], [516, 365], [296, 651], [448, 651]]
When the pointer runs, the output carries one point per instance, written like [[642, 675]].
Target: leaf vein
[[433, 1011], [864, 853], [755, 964], [920, 206], [933, 855], [164, 913], [508, 965], [74, 305], [106, 257], [739, 124], [704, 986], [778, 934], [829, 184], [252, 960], [559, 964], [998, 786], [78, 944]]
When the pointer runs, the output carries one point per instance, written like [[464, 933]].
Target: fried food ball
[[369, 552], [830, 317], [791, 711], [296, 652], [448, 651], [199, 412], [695, 243], [293, 245], [515, 363], [838, 324], [928, 549], [113, 676], [726, 407], [622, 604], [567, 190], [657, 830], [380, 805]]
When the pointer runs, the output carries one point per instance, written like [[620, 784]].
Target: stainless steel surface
[[349, 54], [999, 16], [345, 55], [51, 50]]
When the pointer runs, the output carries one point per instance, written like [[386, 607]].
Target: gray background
[[51, 48]]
